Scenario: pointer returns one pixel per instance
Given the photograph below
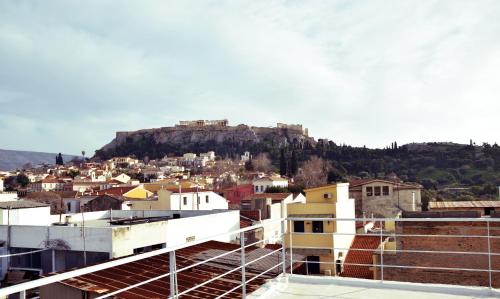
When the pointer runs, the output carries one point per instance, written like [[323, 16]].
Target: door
[[313, 264]]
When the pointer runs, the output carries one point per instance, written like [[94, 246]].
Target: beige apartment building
[[384, 198]]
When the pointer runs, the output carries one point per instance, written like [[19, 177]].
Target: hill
[[12, 159], [435, 165]]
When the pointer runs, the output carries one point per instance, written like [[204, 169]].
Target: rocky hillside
[[224, 140], [11, 159]]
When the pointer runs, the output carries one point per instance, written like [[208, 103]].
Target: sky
[[371, 72]]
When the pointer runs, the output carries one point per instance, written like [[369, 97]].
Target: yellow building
[[322, 241]]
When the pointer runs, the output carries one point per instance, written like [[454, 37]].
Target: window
[[377, 191], [256, 188], [185, 200], [206, 199], [385, 190], [317, 226], [369, 191], [298, 226]]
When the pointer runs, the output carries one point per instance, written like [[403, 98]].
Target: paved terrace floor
[[311, 287]]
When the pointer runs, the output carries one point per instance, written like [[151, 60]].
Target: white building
[[1, 184], [187, 200], [99, 236], [201, 200], [245, 157], [209, 155], [260, 185], [24, 212], [122, 178]]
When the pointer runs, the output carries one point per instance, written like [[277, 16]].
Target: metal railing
[[489, 225]]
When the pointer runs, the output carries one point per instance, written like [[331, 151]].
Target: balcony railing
[[482, 239]]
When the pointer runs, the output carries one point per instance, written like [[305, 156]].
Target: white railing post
[[22, 294], [489, 255], [283, 247], [243, 278], [381, 252], [290, 245], [172, 266]]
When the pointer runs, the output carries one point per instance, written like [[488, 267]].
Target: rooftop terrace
[[314, 287]]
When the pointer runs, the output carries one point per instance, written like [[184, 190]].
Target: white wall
[[203, 226], [215, 201], [345, 209], [122, 240], [1, 185], [8, 196], [26, 216]]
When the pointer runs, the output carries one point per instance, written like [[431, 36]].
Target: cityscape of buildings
[[80, 213]]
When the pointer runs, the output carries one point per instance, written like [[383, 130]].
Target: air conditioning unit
[[327, 196]]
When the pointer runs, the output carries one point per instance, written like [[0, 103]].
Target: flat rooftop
[[316, 287]]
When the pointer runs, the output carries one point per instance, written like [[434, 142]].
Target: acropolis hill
[[201, 135]]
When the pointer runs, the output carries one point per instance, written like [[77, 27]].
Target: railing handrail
[[121, 261], [448, 219], [113, 263]]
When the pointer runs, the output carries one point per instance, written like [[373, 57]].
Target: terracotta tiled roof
[[464, 204], [118, 191], [364, 257], [244, 222], [109, 280], [253, 214]]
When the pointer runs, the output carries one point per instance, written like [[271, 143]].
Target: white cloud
[[365, 72]]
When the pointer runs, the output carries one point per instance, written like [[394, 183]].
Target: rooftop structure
[[314, 287]]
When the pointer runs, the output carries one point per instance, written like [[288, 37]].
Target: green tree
[[22, 180], [283, 168], [73, 173], [59, 159], [249, 165], [294, 165]]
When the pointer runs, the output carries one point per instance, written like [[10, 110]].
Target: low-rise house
[[384, 198], [235, 194], [261, 184], [50, 184], [484, 207]]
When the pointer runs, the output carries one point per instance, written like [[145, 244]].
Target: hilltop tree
[[262, 163], [22, 179], [293, 164], [313, 173], [283, 166], [59, 159]]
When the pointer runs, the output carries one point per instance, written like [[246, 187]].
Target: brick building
[[465, 245]]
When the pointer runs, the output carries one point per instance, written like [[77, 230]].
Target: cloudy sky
[[356, 72]]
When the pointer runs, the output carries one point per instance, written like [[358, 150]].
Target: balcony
[[453, 258]]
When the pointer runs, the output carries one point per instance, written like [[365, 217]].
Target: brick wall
[[444, 260]]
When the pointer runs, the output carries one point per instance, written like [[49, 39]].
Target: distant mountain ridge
[[14, 159]]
